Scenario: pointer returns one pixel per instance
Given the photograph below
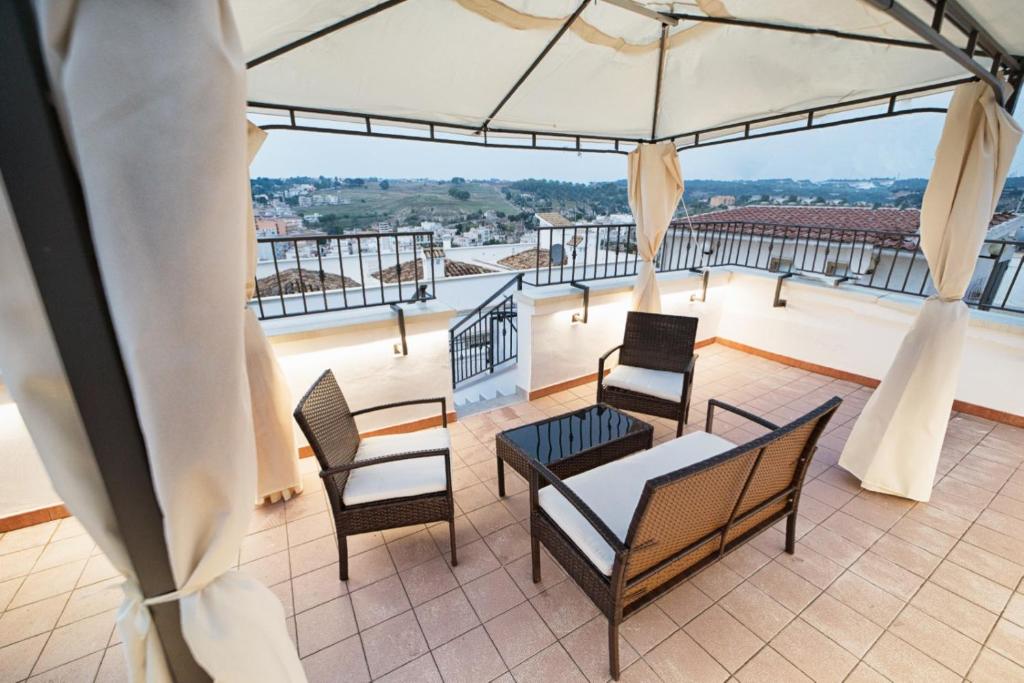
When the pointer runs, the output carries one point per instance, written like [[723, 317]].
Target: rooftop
[[878, 587], [413, 270], [835, 217], [555, 219], [531, 258]]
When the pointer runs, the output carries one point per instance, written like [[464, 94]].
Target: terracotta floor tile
[[345, 656], [906, 555], [509, 543], [813, 653], [393, 643], [833, 546], [811, 565], [724, 638], [588, 647], [324, 625], [28, 537], [940, 642], [97, 568], [761, 614], [646, 628], [792, 591], [464, 534], [745, 560], [93, 599], [551, 664], [83, 669], [76, 640], [470, 658], [378, 602], [262, 543], [768, 666], [887, 575], [493, 594], [989, 565], [16, 660], [47, 583], [420, 670], [963, 615], [521, 571], [519, 634], [412, 550], [716, 580], [38, 617], [368, 567], [971, 586], [842, 624], [446, 617], [428, 580], [317, 587], [680, 658], [992, 667], [310, 528], [564, 607], [272, 569], [898, 661], [683, 603], [314, 555], [19, 563], [475, 560], [1008, 640], [852, 529]]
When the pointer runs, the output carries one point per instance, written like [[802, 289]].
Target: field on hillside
[[408, 203]]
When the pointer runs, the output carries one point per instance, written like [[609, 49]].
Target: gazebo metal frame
[[980, 44]]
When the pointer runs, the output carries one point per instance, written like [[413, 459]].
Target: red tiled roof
[[822, 220], [531, 258], [290, 283], [413, 270]]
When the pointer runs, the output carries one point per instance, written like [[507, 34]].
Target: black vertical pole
[[55, 231]]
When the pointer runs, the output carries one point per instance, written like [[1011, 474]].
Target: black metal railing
[[885, 260], [301, 274], [488, 336]]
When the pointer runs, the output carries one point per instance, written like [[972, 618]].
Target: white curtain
[[894, 447], [655, 187], [153, 101], [277, 460]]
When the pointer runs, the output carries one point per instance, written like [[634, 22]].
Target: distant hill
[[357, 203]]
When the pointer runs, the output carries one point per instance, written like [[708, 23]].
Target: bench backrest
[[326, 420], [692, 514]]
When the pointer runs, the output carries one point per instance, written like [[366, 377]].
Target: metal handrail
[[517, 280]]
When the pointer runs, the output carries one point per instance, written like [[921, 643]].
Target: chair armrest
[[411, 402], [609, 352], [689, 366], [539, 472], [715, 403], [600, 366], [383, 459]]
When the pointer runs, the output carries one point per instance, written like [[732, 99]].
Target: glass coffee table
[[571, 443]]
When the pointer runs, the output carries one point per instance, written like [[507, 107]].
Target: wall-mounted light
[[582, 317]]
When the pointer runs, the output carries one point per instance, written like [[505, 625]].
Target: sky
[[902, 147]]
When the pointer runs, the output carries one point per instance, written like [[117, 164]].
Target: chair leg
[[679, 426], [535, 557], [342, 557], [791, 533], [451, 540], [613, 649]]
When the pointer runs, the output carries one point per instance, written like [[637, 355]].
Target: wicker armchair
[[655, 371], [379, 482], [631, 529]]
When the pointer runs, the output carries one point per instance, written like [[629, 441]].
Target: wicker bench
[[631, 529]]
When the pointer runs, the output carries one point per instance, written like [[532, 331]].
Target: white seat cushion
[[657, 383], [613, 491], [402, 478]]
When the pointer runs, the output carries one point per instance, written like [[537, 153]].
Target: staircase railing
[[486, 337]]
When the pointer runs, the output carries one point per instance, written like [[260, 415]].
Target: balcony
[[878, 587]]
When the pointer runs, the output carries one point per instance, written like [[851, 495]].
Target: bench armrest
[[411, 402], [540, 472], [715, 403]]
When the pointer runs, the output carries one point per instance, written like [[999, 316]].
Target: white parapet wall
[[858, 330], [24, 484], [360, 348]]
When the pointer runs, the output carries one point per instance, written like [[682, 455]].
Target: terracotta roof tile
[[529, 259], [554, 219], [289, 282], [413, 270]]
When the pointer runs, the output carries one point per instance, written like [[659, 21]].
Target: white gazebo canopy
[[611, 72]]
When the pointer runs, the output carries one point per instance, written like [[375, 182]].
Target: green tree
[[384, 184]]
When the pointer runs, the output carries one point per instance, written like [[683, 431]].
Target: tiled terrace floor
[[879, 588]]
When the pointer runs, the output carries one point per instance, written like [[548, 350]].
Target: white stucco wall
[[24, 484], [859, 331], [362, 357]]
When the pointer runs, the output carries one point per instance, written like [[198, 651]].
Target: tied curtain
[[655, 188], [895, 445], [277, 460], [152, 99]]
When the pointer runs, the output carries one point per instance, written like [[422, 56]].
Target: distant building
[[552, 220], [278, 225], [722, 200], [305, 200]]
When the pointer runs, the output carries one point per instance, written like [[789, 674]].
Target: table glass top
[[552, 440]]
